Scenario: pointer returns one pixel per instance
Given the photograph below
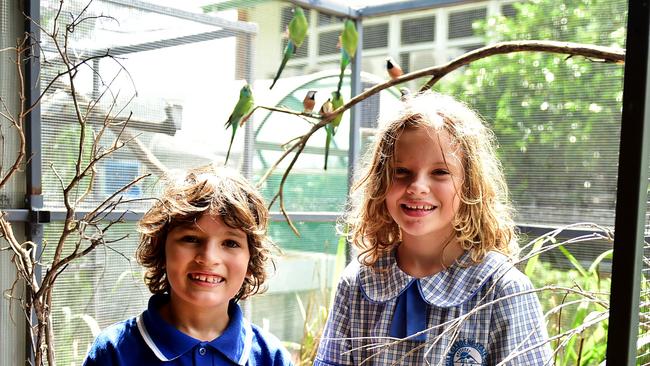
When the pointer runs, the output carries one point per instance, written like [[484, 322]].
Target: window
[[375, 36], [508, 10], [418, 30], [325, 19], [327, 42], [460, 23]]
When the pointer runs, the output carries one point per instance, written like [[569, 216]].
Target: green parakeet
[[243, 106], [349, 40], [297, 32], [330, 128]]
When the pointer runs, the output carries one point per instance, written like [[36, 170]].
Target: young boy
[[204, 247]]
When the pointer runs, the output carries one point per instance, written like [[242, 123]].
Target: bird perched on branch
[[297, 32], [309, 102], [404, 92], [243, 106], [330, 128], [393, 69]]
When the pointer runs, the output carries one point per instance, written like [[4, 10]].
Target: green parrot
[[330, 128], [243, 106], [349, 40], [297, 32]]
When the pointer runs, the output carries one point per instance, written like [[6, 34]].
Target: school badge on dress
[[467, 353]]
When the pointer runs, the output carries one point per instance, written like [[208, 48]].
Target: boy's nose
[[209, 254]]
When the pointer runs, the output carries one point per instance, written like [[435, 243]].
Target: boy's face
[[206, 263]]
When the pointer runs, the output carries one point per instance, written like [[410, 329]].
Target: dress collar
[[168, 343], [448, 288]]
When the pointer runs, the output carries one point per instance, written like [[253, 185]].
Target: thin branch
[[604, 54]]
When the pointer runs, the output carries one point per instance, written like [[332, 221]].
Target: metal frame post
[[632, 192]]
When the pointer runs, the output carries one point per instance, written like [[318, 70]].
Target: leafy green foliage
[[590, 346], [557, 119]]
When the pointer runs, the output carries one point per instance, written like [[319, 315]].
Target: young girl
[[204, 247], [433, 226]]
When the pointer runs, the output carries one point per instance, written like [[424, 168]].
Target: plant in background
[[589, 346], [80, 234], [317, 310]]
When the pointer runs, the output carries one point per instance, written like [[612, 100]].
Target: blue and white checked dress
[[359, 324]]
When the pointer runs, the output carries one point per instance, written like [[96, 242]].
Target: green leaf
[[532, 262], [573, 261], [600, 258]]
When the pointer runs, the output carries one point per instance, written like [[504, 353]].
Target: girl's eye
[[440, 172], [400, 172], [231, 244]]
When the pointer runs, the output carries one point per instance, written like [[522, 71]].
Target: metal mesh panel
[[84, 299], [13, 192], [12, 318]]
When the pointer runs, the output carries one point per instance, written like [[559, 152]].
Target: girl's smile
[[423, 196], [417, 208]]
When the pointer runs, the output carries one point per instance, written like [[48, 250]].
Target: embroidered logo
[[466, 353]]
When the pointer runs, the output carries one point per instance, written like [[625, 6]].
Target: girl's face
[[207, 262], [428, 173]]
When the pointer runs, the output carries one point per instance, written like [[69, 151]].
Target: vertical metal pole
[[632, 192], [355, 116], [245, 49], [34, 199], [249, 132]]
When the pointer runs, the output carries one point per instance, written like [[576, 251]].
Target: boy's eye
[[231, 244], [190, 239]]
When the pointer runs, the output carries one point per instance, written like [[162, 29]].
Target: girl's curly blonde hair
[[206, 190], [484, 219]]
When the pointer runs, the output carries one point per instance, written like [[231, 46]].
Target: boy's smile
[[206, 262]]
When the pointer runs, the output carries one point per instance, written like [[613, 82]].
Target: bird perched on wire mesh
[[243, 106], [348, 41], [297, 32], [309, 102], [393, 69]]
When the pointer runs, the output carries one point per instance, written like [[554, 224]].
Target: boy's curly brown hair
[[216, 192]]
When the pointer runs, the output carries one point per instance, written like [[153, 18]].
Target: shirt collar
[[448, 288], [168, 343]]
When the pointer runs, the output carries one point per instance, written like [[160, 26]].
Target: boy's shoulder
[[116, 334]]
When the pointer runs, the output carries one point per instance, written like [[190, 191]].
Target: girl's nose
[[419, 185]]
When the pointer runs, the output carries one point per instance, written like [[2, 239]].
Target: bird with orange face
[[309, 102], [393, 69]]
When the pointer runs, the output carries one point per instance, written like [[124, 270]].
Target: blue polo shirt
[[149, 340]]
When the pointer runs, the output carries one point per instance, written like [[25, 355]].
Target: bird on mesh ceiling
[[243, 106], [393, 69]]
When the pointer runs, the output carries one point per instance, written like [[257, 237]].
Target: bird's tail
[[345, 61], [328, 140], [229, 147], [289, 51]]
